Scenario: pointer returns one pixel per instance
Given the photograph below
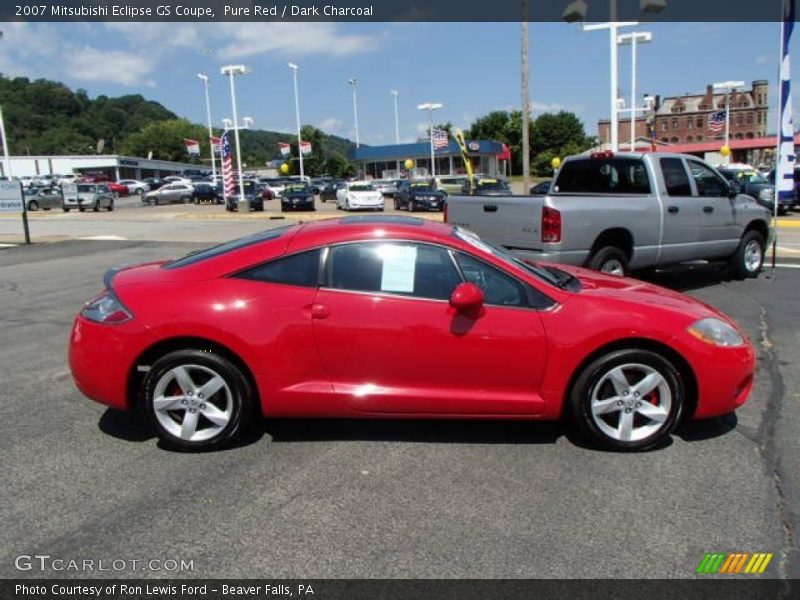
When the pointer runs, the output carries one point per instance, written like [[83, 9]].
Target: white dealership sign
[[10, 196]]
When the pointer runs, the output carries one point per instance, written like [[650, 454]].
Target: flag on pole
[[215, 144], [226, 158], [285, 148], [192, 146], [785, 158], [716, 121], [305, 148], [440, 140]]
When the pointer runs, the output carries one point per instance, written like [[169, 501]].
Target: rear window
[[86, 188], [201, 255], [603, 176]]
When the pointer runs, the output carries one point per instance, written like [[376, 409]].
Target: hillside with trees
[[47, 117]]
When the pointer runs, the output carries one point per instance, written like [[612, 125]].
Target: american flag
[[716, 121], [227, 167], [440, 140]]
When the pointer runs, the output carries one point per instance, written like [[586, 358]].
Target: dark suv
[[753, 184], [419, 195]]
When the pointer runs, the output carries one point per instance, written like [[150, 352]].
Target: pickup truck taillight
[[551, 225]]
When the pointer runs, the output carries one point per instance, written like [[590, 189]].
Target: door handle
[[320, 311], [708, 209], [490, 208], [673, 210]]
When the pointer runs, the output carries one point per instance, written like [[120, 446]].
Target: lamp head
[[575, 11], [293, 66], [203, 76], [234, 70]]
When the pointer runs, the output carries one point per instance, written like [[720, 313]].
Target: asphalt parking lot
[[375, 499]]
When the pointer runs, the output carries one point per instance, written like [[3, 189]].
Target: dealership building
[[388, 162], [114, 166]]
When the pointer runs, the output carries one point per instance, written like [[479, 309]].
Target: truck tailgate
[[511, 221]]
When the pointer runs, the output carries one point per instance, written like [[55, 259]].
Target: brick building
[[684, 119]]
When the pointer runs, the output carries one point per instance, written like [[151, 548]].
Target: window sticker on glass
[[399, 264]]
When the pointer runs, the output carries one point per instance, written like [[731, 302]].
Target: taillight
[[551, 225], [107, 309]]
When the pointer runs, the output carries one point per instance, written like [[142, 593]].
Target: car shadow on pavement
[[413, 430], [684, 278], [706, 429], [129, 426]]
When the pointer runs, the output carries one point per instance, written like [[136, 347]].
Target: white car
[[67, 179], [135, 186], [176, 179], [275, 186], [358, 194]]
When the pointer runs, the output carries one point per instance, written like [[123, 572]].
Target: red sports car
[[118, 188], [400, 317]]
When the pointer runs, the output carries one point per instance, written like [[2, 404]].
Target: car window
[[498, 288], [398, 268], [676, 179], [362, 187], [708, 183], [603, 176], [298, 269], [248, 240]]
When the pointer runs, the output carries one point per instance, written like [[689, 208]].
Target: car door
[[51, 198], [391, 343], [719, 235], [682, 213]]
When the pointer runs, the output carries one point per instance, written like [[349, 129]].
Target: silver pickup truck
[[617, 212]]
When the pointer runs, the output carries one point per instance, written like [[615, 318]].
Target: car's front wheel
[[628, 399], [197, 400], [33, 205]]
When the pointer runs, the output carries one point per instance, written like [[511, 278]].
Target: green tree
[[165, 139]]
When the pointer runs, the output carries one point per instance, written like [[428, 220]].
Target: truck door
[[682, 213]]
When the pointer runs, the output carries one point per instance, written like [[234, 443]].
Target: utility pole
[[526, 105]]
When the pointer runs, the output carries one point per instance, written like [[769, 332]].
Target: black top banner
[[392, 10]]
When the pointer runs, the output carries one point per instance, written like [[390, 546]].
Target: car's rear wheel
[[610, 260], [96, 206], [197, 400], [110, 206], [628, 399], [748, 259], [33, 205]]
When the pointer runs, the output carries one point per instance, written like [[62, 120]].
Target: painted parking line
[[103, 238], [7, 245], [787, 265]]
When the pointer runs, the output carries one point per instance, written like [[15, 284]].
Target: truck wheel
[[610, 260], [96, 206], [748, 259]]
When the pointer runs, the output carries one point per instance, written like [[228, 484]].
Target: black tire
[[110, 206], [396, 204], [412, 206], [96, 206], [610, 260], [743, 263], [593, 381], [33, 205], [238, 397], [82, 208], [65, 209], [138, 191]]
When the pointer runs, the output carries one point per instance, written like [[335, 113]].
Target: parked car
[[419, 195], [751, 182], [275, 185], [387, 187], [329, 191], [541, 188], [44, 198], [444, 325], [117, 189], [486, 186], [205, 192], [169, 194], [251, 192], [451, 184], [177, 179], [616, 212], [771, 178], [297, 196], [89, 195], [154, 182], [135, 186], [358, 194]]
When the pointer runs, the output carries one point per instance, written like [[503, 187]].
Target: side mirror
[[733, 190], [467, 297]]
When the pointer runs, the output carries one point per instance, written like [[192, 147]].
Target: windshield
[[474, 240], [423, 186], [751, 177], [297, 189], [362, 187]]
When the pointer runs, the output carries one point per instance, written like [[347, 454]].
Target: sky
[[471, 68]]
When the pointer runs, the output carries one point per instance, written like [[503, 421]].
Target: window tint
[[603, 176], [397, 268], [708, 183], [255, 238], [299, 269], [675, 178], [498, 288]]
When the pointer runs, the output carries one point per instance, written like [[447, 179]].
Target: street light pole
[[6, 156], [231, 71], [395, 93], [294, 69], [354, 85], [430, 107], [632, 39], [526, 104], [210, 130]]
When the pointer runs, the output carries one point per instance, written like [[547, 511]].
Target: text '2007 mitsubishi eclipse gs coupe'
[[443, 325]]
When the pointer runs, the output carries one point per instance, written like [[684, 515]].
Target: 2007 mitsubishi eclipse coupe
[[400, 317]]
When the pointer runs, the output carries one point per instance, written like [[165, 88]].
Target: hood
[[436, 193], [363, 194], [635, 292]]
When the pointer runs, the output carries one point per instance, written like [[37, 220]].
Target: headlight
[[107, 309], [717, 332], [766, 194]]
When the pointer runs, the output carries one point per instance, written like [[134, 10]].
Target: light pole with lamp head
[[204, 78], [354, 86], [727, 87], [632, 39], [294, 69], [430, 107], [395, 93], [232, 71]]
